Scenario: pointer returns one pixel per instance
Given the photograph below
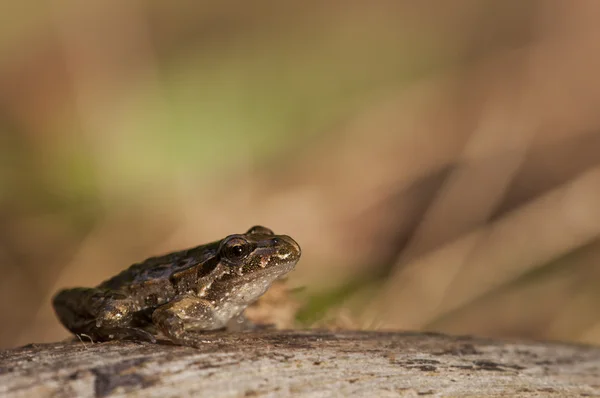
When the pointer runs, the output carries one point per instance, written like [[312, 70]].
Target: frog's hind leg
[[98, 314], [75, 310]]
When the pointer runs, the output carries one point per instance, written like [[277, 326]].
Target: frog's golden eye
[[258, 229], [235, 249]]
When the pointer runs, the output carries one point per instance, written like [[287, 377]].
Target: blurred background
[[438, 162]]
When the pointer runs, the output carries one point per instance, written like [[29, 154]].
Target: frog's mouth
[[268, 273]]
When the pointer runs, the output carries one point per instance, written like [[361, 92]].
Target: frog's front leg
[[182, 318]]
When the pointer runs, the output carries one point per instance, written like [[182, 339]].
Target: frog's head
[[259, 254], [246, 266]]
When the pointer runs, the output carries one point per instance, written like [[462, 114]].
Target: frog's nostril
[[291, 242]]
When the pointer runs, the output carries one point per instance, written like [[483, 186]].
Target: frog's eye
[[257, 229], [235, 249]]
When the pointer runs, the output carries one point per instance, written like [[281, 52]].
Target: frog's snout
[[293, 246]]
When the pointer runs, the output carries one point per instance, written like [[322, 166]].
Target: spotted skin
[[182, 293]]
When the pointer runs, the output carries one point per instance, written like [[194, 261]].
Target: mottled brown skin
[[180, 293]]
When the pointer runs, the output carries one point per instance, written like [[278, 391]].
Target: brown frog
[[203, 288]]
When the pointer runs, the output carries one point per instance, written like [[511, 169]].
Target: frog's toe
[[242, 324], [263, 327], [143, 335], [129, 334]]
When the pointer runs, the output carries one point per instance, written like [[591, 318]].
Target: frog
[[181, 294]]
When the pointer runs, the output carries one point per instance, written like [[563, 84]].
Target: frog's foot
[[241, 323], [125, 333], [263, 326]]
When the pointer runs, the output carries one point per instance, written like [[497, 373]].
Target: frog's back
[[158, 270]]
